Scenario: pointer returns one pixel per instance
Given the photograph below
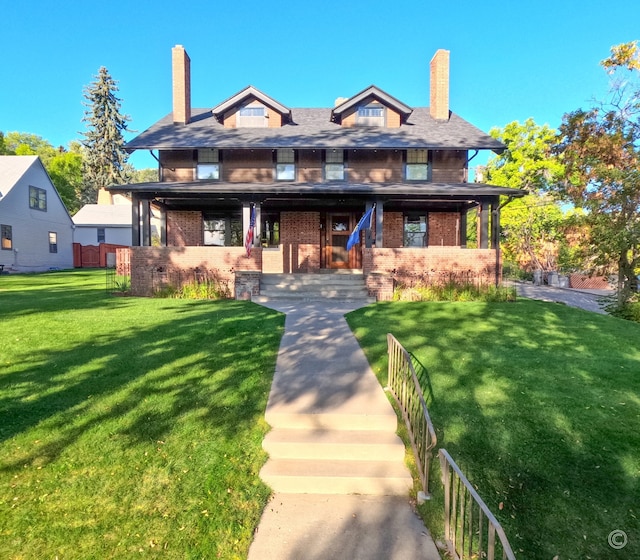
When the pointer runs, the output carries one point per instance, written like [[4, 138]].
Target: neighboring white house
[[36, 231], [101, 223]]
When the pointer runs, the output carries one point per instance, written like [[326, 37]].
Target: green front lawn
[[539, 404], [129, 427]]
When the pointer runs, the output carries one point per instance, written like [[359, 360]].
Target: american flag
[[248, 242]]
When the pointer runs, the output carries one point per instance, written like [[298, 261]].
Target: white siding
[[88, 235]]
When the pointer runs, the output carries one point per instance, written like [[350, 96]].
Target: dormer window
[[417, 166], [252, 116], [370, 115], [208, 167]]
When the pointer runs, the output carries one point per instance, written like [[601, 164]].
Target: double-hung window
[[53, 242], [37, 198], [334, 165], [208, 167], [285, 165], [223, 230], [370, 115], [6, 237], [101, 235], [415, 230], [417, 166]]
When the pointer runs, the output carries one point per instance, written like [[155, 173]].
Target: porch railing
[[405, 387], [471, 530]]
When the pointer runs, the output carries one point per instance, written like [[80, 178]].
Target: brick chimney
[[181, 65], [439, 106]]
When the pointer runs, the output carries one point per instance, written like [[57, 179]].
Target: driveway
[[584, 299]]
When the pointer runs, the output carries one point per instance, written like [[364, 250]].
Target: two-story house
[[307, 176]]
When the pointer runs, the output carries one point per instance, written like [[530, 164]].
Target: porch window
[[334, 165], [417, 166], [53, 242], [370, 115], [223, 230], [285, 165], [415, 230], [6, 237], [270, 236], [37, 198], [252, 116], [208, 167]]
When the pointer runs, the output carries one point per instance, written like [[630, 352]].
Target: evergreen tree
[[105, 158]]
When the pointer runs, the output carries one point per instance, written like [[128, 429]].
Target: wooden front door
[[339, 227]]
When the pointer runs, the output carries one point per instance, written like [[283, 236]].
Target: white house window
[[223, 230], [415, 230], [370, 115], [101, 235], [37, 198], [334, 165], [53, 242], [285, 165], [417, 167], [252, 116], [208, 167], [6, 237]]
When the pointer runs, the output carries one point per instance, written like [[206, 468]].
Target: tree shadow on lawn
[[143, 379], [538, 405]]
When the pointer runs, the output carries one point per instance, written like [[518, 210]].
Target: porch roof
[[313, 129], [202, 189]]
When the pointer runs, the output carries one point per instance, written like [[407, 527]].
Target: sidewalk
[[582, 299], [322, 375]]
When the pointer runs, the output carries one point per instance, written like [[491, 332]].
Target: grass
[[539, 404], [129, 426]]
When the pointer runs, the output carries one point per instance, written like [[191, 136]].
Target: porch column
[[462, 241], [495, 224], [135, 220], [483, 233], [379, 222], [163, 226], [145, 222], [246, 220], [368, 237]]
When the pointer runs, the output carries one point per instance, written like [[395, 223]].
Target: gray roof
[[312, 128], [200, 188]]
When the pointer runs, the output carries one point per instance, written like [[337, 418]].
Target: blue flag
[[364, 223]]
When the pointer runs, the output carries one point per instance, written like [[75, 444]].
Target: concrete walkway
[[323, 379], [583, 299]]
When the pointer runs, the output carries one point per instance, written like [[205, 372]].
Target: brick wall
[[300, 241], [443, 229], [153, 267], [184, 228], [393, 229]]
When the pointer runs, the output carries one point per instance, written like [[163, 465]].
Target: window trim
[[425, 235], [339, 164], [417, 164], [285, 168], [37, 198], [208, 157]]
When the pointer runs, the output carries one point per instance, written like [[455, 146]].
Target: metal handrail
[[466, 533], [405, 387]]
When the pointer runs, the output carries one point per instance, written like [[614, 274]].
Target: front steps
[[335, 454], [333, 285]]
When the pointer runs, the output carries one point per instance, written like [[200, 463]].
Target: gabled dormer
[[250, 108], [371, 107]]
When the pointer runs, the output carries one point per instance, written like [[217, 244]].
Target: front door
[[340, 226]]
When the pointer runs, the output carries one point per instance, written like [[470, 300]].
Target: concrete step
[[334, 445], [304, 476], [314, 286], [284, 280], [332, 421], [324, 292]]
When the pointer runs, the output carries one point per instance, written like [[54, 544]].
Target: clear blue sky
[[510, 60]]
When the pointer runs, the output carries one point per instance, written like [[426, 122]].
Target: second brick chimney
[[181, 65], [439, 105]]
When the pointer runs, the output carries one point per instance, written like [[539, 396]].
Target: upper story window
[[370, 115], [417, 166], [208, 167], [252, 116], [6, 237], [334, 165], [415, 230], [37, 198], [285, 165]]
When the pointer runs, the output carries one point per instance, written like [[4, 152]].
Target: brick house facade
[[308, 176]]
